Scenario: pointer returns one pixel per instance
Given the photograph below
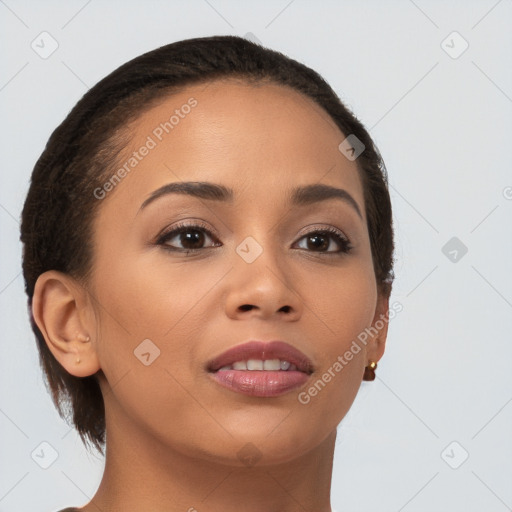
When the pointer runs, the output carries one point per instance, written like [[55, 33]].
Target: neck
[[141, 473]]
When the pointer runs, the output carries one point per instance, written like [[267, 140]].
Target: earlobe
[[58, 310]]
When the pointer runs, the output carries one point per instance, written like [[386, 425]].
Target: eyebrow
[[299, 196]]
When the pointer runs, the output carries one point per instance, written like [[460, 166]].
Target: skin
[[174, 434]]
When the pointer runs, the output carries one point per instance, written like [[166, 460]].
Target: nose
[[263, 288]]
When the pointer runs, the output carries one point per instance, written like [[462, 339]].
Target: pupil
[[191, 237], [316, 244]]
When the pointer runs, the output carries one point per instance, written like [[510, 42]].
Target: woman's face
[[162, 315]]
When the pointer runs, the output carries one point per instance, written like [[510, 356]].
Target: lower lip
[[261, 383]]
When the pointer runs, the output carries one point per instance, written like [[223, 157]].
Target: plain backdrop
[[432, 81]]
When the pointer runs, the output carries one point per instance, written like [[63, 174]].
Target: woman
[[208, 254]]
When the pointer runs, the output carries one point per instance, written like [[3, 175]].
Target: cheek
[[343, 310], [152, 324], [157, 299], [342, 303]]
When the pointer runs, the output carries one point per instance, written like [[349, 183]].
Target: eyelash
[[343, 242]]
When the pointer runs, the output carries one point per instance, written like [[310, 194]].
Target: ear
[[379, 329], [65, 318]]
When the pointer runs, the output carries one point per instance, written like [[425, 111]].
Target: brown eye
[[321, 240], [186, 238]]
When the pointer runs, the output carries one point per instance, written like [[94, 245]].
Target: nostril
[[246, 307]]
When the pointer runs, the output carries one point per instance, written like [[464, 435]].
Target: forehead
[[260, 140]]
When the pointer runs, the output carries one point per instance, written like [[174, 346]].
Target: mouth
[[263, 369]]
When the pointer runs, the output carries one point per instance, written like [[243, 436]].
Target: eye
[[190, 236], [321, 241]]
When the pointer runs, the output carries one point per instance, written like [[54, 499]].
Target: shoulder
[[69, 509]]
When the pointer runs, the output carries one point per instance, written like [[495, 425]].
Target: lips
[[263, 351], [259, 380]]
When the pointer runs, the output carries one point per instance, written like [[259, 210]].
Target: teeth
[[272, 364], [258, 364], [255, 364]]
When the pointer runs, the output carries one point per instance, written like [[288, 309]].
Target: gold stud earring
[[369, 371]]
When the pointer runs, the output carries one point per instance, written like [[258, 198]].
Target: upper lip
[[262, 350]]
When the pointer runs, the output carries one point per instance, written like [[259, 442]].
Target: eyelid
[[343, 241], [190, 224], [328, 229], [211, 232]]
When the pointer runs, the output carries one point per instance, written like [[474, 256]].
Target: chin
[[272, 446]]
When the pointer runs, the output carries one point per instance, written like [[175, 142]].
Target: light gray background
[[444, 127]]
